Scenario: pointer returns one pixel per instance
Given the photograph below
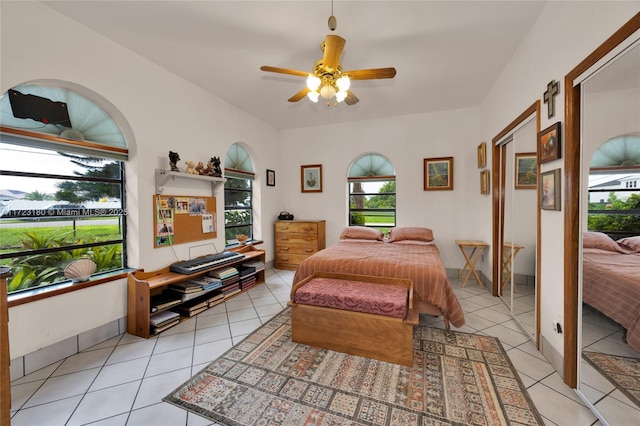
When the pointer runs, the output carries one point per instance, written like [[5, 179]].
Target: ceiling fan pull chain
[[332, 23]]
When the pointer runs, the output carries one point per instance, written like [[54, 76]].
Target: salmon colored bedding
[[356, 296], [611, 284], [418, 262]]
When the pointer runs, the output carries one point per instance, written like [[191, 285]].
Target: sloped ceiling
[[447, 54]]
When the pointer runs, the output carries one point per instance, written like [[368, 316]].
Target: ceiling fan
[[327, 79]]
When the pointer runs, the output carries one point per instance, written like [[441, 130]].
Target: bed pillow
[[400, 233], [630, 243], [361, 233], [600, 240]]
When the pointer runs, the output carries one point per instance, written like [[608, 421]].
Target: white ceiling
[[447, 54]]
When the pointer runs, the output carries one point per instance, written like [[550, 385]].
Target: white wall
[[165, 113], [458, 214], [565, 33]]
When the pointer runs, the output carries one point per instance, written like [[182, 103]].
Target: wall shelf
[[163, 176]]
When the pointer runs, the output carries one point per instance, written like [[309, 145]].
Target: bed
[[611, 280], [409, 252]]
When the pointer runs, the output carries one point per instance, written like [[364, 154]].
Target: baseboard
[[554, 357], [41, 358]]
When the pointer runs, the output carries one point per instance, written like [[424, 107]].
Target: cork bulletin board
[[183, 219]]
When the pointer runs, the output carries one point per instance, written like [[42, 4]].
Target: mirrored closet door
[[609, 312], [516, 218]]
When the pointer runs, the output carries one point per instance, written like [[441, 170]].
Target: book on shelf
[[164, 300], [158, 329], [192, 308], [185, 287], [258, 264], [228, 294], [161, 318], [223, 273], [216, 297], [246, 270], [207, 282]]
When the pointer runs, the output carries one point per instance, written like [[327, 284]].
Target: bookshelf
[[145, 287]]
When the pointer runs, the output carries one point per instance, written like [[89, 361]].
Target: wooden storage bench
[[360, 315]]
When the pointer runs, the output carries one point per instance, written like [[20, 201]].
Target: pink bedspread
[[611, 284], [420, 263]]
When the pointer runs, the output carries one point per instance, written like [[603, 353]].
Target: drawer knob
[[284, 249], [308, 250]]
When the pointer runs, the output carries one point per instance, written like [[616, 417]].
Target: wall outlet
[[557, 327]]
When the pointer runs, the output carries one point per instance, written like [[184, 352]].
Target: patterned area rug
[[457, 378], [622, 371]]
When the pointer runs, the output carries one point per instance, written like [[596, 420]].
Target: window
[[238, 194], [372, 193], [614, 198], [62, 199]]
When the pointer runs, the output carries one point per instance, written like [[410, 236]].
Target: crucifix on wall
[[553, 88]]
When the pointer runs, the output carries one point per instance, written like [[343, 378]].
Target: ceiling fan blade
[[351, 99], [333, 46], [301, 94], [371, 74], [284, 71]]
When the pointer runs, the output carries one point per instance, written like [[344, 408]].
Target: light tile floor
[[122, 381]]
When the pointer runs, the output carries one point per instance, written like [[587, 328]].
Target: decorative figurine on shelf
[[191, 167], [217, 171], [174, 157], [208, 171], [200, 168]]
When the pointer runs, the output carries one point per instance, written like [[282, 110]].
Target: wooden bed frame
[[368, 335]]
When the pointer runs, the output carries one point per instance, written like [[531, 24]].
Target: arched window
[[62, 195], [238, 194], [372, 192]]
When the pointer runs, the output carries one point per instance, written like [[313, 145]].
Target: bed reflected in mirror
[[610, 225]]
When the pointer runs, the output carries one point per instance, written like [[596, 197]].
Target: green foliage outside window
[[34, 270], [616, 222]]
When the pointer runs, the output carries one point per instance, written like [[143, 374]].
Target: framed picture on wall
[[484, 182], [438, 173], [482, 155], [526, 170], [271, 178], [311, 178], [549, 144], [550, 194]]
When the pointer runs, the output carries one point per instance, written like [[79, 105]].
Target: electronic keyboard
[[199, 264]]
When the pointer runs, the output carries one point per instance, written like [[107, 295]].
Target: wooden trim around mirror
[[571, 181], [498, 187]]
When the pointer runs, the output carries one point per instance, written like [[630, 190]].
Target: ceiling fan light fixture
[[343, 83], [341, 95], [313, 82], [327, 91], [313, 95]]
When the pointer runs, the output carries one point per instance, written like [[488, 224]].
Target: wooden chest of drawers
[[296, 240]]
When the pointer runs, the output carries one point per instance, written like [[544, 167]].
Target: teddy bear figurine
[[191, 167], [200, 168]]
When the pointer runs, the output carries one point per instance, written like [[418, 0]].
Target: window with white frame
[[238, 194], [372, 192], [62, 204]]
